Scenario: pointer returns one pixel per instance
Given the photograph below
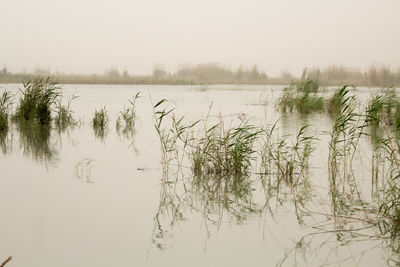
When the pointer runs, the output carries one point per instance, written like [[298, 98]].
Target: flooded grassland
[[115, 175]]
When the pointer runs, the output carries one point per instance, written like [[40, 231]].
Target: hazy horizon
[[93, 36]]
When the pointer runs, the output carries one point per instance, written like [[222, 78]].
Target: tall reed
[[100, 123], [38, 98], [127, 117], [301, 99], [5, 106]]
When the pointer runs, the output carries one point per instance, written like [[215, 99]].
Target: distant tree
[[159, 72], [255, 75], [4, 71], [113, 73], [287, 77]]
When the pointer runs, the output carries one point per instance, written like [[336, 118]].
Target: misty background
[[95, 36]]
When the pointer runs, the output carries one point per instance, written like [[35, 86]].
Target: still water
[[74, 199]]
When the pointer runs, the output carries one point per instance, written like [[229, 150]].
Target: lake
[[74, 198]]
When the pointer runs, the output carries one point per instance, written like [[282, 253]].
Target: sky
[[88, 36]]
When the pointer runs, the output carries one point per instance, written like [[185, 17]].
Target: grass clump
[[288, 162], [220, 152], [211, 151], [64, 114], [336, 102], [301, 99], [100, 123], [127, 117], [5, 105], [384, 109], [38, 97]]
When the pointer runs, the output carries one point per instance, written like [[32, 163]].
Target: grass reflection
[[35, 140]]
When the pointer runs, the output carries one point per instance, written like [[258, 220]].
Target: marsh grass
[[384, 109], [216, 151], [385, 177], [304, 101], [212, 150], [165, 133], [38, 98], [345, 137], [127, 118], [100, 123], [5, 106], [289, 162], [335, 103], [64, 114]]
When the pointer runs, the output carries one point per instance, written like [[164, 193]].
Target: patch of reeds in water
[[288, 162], [100, 123], [300, 99], [38, 98], [64, 114], [217, 151], [5, 105], [335, 103], [126, 120], [384, 109], [213, 150]]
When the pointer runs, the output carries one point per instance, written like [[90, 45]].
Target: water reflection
[[100, 132], [5, 141], [213, 197], [127, 133], [35, 140], [82, 170]]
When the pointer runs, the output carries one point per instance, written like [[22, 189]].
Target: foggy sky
[[86, 36]]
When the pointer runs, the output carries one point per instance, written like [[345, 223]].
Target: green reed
[[38, 98], [335, 103], [288, 162], [384, 109], [300, 99], [5, 106], [127, 117], [161, 110], [224, 152], [100, 123], [64, 114]]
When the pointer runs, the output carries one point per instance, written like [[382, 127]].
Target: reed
[[127, 116], [219, 152], [301, 99], [100, 123], [288, 162], [335, 103], [5, 106], [384, 109], [64, 114], [38, 98]]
